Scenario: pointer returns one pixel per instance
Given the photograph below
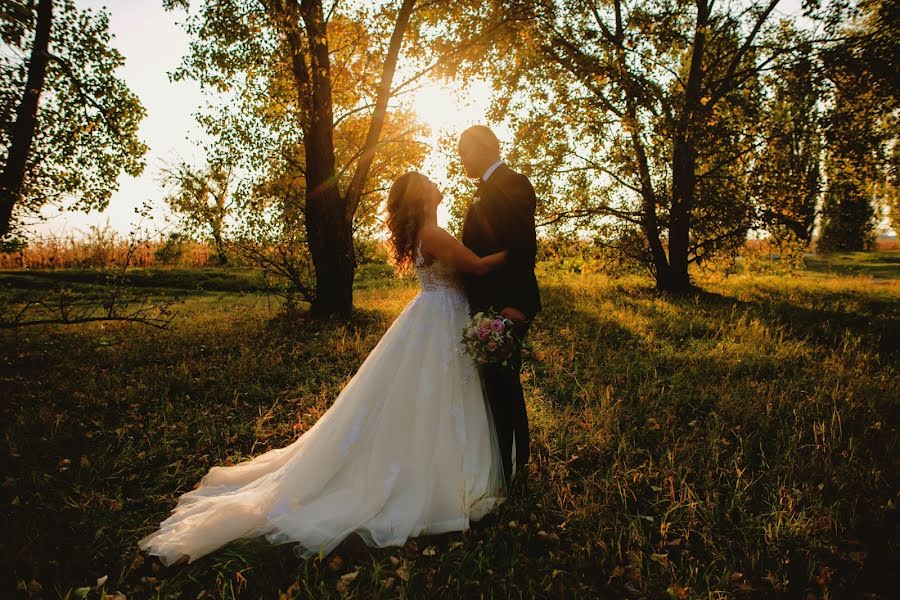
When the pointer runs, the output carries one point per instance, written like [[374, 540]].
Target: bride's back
[[435, 276]]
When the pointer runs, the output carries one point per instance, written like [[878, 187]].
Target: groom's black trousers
[[503, 388]]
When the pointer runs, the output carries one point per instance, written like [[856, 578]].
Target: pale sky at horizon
[[153, 44]]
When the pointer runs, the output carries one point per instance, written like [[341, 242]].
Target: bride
[[408, 447]]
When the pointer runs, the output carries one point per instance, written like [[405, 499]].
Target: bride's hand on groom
[[513, 314]]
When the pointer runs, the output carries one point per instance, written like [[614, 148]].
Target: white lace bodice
[[437, 276]]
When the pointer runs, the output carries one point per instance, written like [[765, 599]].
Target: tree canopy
[[68, 122]]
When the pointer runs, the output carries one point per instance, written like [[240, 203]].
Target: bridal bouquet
[[489, 339]]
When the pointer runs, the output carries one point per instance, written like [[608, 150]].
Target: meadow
[[740, 442]]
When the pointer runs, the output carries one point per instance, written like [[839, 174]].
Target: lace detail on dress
[[435, 277], [438, 277]]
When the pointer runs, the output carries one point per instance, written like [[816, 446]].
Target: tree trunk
[[683, 185], [221, 256], [684, 164], [330, 235], [329, 226], [13, 177], [379, 116], [649, 216], [328, 214]]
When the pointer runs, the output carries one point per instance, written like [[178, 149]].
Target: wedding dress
[[408, 448]]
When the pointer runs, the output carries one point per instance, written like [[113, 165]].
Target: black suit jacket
[[502, 218]]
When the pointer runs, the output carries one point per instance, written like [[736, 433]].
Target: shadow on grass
[[690, 411], [141, 420], [107, 436], [820, 319]]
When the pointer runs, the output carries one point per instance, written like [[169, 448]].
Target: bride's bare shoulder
[[431, 230], [432, 235]]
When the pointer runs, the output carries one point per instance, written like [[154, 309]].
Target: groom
[[502, 218]]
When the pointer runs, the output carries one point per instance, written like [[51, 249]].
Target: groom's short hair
[[481, 135]]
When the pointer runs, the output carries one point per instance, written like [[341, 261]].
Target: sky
[[153, 44]]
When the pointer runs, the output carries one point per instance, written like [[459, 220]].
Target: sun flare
[[446, 109]]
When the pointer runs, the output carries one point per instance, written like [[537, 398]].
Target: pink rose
[[483, 332], [497, 326]]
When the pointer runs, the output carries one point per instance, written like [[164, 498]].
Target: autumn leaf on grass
[[403, 571], [291, 592], [343, 585]]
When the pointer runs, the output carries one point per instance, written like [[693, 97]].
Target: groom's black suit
[[502, 218]]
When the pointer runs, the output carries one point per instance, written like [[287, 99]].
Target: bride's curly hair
[[405, 214]]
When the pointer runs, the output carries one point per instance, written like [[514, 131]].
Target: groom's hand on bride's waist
[[513, 314]]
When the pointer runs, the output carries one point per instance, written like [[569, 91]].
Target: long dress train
[[408, 448]]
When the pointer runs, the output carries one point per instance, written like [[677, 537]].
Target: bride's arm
[[440, 244]]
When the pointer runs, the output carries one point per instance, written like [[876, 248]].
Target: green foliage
[[238, 50], [787, 174], [781, 255], [644, 118], [203, 198], [567, 254], [172, 249], [306, 104], [861, 126], [848, 217], [87, 119], [736, 443]]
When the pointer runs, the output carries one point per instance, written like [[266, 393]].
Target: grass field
[[741, 442]]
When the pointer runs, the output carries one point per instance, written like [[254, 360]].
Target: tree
[[311, 109], [68, 125], [861, 125], [204, 198], [316, 62], [787, 174], [891, 188], [848, 217], [648, 117]]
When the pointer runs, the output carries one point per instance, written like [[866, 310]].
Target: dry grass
[[103, 248]]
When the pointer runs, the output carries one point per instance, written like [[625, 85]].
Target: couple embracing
[[420, 441]]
